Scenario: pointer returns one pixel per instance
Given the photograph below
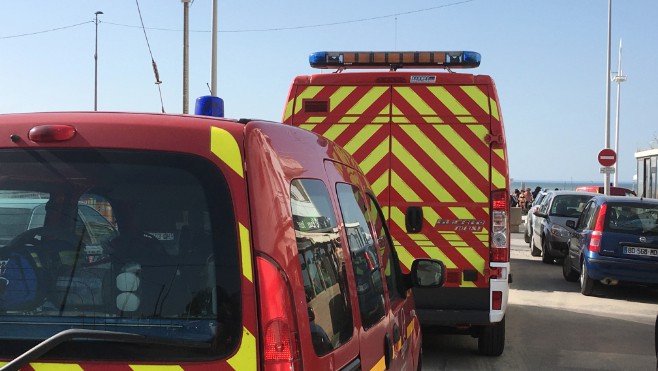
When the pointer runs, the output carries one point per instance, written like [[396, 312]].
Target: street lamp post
[[619, 78], [96, 64]]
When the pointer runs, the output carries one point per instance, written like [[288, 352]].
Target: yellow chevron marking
[[224, 146], [379, 185], [373, 158], [435, 253], [473, 257], [381, 120], [464, 148], [288, 111], [245, 248], [308, 127], [430, 215], [480, 98], [461, 213], [340, 95], [308, 93], [500, 152], [403, 255], [397, 116], [479, 131], [153, 367], [403, 189], [39, 366], [244, 359], [334, 131], [497, 179], [494, 109], [363, 135], [449, 100], [420, 172], [315, 119], [367, 100], [467, 120], [415, 101], [380, 365], [410, 327], [348, 119]]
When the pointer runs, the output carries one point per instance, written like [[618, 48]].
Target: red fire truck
[[432, 144]]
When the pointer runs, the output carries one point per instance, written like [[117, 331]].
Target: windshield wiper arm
[[71, 334]]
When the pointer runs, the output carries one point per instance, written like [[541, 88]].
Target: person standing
[[528, 199]]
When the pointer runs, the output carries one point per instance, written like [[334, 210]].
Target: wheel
[[587, 284], [527, 234], [546, 257], [567, 270], [492, 339], [534, 251]]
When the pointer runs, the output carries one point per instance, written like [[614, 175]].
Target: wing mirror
[[428, 273]]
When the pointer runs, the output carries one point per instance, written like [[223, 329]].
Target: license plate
[[643, 251]]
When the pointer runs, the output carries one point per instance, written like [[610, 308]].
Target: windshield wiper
[[72, 334]]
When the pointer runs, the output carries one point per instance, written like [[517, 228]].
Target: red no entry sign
[[607, 157]]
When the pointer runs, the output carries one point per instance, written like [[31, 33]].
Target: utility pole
[[606, 177], [213, 68], [186, 55], [96, 64], [619, 78]]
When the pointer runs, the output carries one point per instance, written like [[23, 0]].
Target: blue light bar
[[395, 60], [209, 105]]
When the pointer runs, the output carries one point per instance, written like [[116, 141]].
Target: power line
[[155, 66], [45, 31], [273, 29]]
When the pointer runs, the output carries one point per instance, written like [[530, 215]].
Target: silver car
[[549, 225], [528, 219]]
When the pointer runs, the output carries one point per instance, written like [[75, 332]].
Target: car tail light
[[497, 300], [595, 239], [499, 226], [278, 328]]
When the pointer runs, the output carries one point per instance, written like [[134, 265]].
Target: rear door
[[631, 231]]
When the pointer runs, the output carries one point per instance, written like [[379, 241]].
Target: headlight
[[559, 231]]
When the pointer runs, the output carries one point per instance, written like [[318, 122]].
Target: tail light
[[497, 300], [499, 226], [595, 239], [278, 328]]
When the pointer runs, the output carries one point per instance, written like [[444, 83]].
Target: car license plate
[[643, 251]]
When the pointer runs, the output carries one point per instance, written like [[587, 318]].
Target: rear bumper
[[626, 270]]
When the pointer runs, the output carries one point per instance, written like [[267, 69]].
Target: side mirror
[[427, 273], [571, 224], [540, 214]]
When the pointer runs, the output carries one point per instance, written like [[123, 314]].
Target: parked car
[[549, 230], [614, 191], [615, 240], [528, 219]]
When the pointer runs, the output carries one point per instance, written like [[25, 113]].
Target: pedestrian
[[514, 198], [528, 199], [536, 192]]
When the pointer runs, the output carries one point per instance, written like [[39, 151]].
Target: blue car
[[614, 240]]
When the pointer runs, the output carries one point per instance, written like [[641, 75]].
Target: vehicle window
[[568, 205], [323, 265], [365, 261], [586, 218], [115, 250], [628, 218], [386, 255], [544, 205]]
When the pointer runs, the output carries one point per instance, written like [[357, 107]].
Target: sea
[[562, 185]]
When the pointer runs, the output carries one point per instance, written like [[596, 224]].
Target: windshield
[[116, 241], [569, 206]]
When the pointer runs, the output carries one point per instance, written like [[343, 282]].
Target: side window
[[322, 264], [583, 220], [365, 261], [385, 250]]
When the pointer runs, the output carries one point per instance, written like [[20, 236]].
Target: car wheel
[[492, 339], [586, 283], [567, 270], [546, 257], [534, 251], [527, 234]]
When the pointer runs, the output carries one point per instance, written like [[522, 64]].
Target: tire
[[546, 258], [587, 284], [567, 270], [491, 341], [534, 251]]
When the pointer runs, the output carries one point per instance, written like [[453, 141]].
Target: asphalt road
[[551, 325]]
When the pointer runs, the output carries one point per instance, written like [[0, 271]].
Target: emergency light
[[395, 60], [209, 105]]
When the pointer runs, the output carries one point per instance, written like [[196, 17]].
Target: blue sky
[[548, 59]]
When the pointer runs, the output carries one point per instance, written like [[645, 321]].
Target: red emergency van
[[219, 244], [432, 144]]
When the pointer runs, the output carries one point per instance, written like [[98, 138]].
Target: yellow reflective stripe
[[415, 101], [435, 253], [465, 149], [224, 146], [376, 155], [339, 95], [497, 179], [348, 119], [380, 365], [288, 111], [245, 248], [38, 366], [334, 131], [467, 119], [245, 358], [449, 101], [403, 189], [473, 257], [155, 367], [308, 127], [500, 152], [403, 255], [410, 327], [308, 93], [361, 137], [461, 213], [480, 98], [315, 119], [494, 109], [367, 100], [379, 185]]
